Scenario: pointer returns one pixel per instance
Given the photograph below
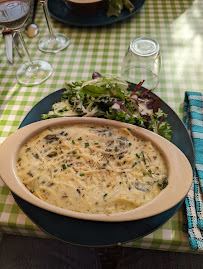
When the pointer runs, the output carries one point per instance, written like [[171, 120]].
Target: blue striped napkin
[[193, 119]]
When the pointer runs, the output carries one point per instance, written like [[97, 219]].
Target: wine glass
[[52, 42], [13, 14], [142, 62]]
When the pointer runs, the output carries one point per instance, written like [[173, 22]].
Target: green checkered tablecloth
[[176, 25]]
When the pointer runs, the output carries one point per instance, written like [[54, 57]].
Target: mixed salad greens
[[115, 7], [110, 97]]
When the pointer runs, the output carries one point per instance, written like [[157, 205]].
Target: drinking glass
[[142, 61], [13, 14], [52, 42]]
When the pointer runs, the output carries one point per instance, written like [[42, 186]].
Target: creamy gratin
[[91, 169]]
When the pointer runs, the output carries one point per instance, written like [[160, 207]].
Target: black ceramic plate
[[61, 12], [92, 233]]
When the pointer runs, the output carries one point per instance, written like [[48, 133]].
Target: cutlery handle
[[7, 34]]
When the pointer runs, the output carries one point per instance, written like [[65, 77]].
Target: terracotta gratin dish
[[180, 174], [85, 7]]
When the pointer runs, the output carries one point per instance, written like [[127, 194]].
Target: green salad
[[115, 7], [110, 97]]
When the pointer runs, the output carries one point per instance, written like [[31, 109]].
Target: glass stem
[[24, 46], [47, 17]]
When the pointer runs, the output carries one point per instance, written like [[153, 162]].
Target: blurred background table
[[177, 27]]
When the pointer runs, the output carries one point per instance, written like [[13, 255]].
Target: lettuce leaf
[[128, 5], [110, 97], [115, 7]]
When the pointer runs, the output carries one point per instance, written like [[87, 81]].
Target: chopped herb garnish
[[51, 154], [87, 145], [105, 194], [96, 143], [82, 175], [80, 138], [134, 164], [159, 184], [144, 158], [150, 171], [63, 166], [74, 152], [19, 159], [73, 141], [31, 190], [128, 129], [104, 164], [144, 173], [138, 156], [78, 157], [157, 167], [130, 144], [68, 165], [120, 182], [120, 157]]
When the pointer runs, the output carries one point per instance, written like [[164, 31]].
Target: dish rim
[[86, 3], [175, 189]]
